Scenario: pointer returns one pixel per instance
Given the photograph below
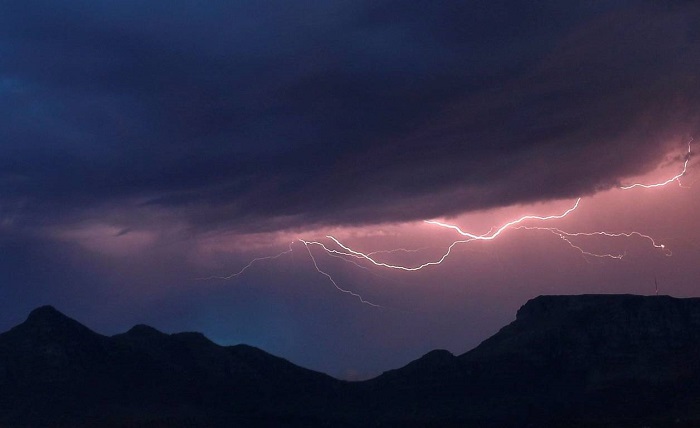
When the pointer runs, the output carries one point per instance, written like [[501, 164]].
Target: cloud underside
[[276, 115]]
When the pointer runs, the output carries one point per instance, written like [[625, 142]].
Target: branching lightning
[[567, 235], [249, 265], [347, 251], [356, 257], [491, 236], [330, 278]]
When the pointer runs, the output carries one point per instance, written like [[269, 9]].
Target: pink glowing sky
[[155, 275], [454, 305], [147, 151]]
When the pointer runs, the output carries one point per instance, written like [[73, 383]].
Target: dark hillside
[[591, 360]]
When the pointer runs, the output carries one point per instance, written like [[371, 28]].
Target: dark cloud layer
[[264, 115]]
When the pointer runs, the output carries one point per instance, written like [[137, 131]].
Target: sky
[[149, 152]]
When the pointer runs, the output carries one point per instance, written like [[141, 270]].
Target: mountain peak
[[44, 314], [47, 321], [143, 330]]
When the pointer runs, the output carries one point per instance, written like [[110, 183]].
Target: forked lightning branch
[[335, 248]]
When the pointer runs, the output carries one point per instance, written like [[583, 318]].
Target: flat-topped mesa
[[553, 307], [614, 333], [635, 323]]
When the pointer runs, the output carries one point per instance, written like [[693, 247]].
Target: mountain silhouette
[[55, 371], [566, 361], [591, 360]]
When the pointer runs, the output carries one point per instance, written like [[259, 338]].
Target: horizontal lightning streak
[[338, 255], [250, 264], [566, 235], [606, 234], [398, 250], [588, 253], [313, 259], [491, 236], [347, 254], [357, 254], [676, 177], [486, 237]]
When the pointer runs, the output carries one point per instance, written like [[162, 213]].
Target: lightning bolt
[[494, 235], [349, 252], [249, 265], [353, 256], [315, 264], [670, 180], [566, 235], [491, 235], [398, 250], [330, 278]]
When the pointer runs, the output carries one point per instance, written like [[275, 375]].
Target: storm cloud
[[269, 115]]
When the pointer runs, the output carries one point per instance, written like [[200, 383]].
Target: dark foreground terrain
[[566, 361]]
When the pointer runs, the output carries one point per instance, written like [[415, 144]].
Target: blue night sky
[[146, 147]]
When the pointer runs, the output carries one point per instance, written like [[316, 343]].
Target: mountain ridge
[[591, 360]]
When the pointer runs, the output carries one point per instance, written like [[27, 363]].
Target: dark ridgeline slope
[[54, 371], [592, 360]]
